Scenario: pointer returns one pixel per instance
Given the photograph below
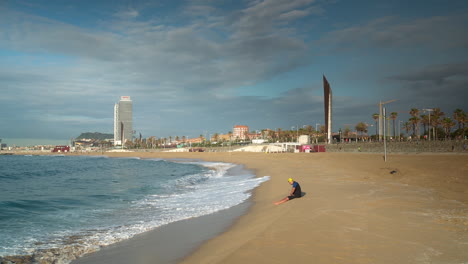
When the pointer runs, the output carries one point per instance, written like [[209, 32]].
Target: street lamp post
[[429, 110], [297, 134], [356, 133], [380, 116], [384, 137], [368, 137], [316, 132]]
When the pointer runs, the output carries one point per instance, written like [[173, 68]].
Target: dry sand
[[357, 209]]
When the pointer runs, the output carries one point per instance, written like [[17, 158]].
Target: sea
[[73, 205]]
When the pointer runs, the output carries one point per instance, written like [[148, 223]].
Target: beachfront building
[[123, 121], [196, 140], [240, 132]]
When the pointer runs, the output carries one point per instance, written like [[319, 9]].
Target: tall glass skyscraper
[[123, 120]]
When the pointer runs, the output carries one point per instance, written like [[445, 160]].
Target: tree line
[[435, 123]]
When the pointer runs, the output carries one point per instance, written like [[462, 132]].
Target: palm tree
[[361, 127], [347, 130], [424, 122], [246, 135], [393, 116], [407, 127], [415, 121], [287, 135], [272, 135], [153, 141], [460, 116], [376, 116], [447, 124], [436, 119], [280, 135], [463, 120], [322, 129]]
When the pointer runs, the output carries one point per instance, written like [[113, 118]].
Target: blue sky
[[201, 67]]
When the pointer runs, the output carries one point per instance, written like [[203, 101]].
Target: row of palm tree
[[436, 119]]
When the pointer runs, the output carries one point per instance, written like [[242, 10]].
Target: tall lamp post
[[356, 133], [380, 116], [429, 110], [384, 137], [367, 126], [297, 133]]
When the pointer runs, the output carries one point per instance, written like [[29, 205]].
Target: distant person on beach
[[294, 193]]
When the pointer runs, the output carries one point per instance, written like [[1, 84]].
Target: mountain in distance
[[95, 135]]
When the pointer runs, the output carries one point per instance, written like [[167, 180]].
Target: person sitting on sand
[[295, 192]]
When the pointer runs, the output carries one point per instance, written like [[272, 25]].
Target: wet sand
[[356, 209], [166, 244]]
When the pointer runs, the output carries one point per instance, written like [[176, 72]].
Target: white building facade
[[240, 132]]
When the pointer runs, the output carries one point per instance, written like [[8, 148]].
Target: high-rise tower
[[123, 121]]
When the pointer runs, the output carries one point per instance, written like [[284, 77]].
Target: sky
[[201, 67]]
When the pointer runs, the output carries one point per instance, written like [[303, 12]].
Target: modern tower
[[327, 92], [123, 120]]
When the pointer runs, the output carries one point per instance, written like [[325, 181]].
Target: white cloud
[[127, 14], [295, 14]]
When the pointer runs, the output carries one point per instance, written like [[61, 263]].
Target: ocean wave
[[192, 191]]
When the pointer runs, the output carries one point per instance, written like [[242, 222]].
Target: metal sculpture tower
[[327, 92]]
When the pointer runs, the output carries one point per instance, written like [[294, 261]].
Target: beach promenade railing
[[401, 147], [370, 147]]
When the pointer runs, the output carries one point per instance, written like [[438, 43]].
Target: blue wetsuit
[[297, 192]]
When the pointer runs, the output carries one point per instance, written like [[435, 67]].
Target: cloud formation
[[200, 65], [437, 32]]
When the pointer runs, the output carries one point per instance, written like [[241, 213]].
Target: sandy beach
[[356, 209]]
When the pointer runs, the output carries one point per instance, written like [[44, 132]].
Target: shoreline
[[168, 243], [357, 209]]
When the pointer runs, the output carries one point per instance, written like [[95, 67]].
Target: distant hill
[[95, 135]]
